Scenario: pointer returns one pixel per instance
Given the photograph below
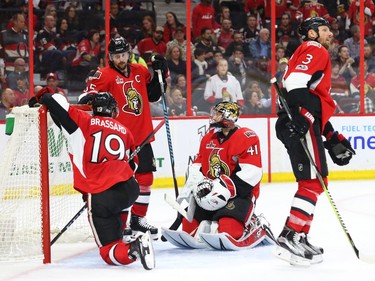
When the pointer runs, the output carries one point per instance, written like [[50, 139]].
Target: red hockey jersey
[[238, 156], [309, 58], [131, 95], [98, 146]]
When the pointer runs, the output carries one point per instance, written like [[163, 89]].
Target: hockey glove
[[211, 195], [85, 99], [159, 63], [339, 148], [300, 123], [35, 101]]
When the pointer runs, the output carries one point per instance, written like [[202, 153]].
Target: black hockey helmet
[[104, 104], [230, 111], [118, 45], [311, 23]]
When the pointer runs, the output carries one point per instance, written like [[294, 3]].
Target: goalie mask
[[224, 115], [311, 23], [104, 104], [211, 195]]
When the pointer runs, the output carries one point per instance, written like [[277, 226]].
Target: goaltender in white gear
[[223, 183]]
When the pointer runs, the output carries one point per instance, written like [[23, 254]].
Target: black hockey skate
[[141, 248], [315, 250], [140, 224], [291, 248]]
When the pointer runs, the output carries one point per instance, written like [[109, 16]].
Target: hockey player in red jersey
[[99, 147], [223, 182], [307, 83], [133, 87]]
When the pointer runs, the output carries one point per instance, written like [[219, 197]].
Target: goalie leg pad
[[231, 226], [190, 227]]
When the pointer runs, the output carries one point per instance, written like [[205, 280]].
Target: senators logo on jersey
[[134, 100], [217, 167]]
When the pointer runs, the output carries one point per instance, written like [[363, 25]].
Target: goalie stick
[[132, 155], [320, 178]]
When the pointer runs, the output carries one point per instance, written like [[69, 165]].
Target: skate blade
[[135, 234], [148, 260], [292, 259]]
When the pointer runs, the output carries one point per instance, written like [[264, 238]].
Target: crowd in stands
[[230, 48]]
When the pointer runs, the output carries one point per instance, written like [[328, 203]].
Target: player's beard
[[121, 66]]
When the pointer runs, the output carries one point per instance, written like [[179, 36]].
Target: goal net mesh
[[20, 190]]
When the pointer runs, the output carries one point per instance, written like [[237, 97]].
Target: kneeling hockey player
[[222, 187], [99, 147]]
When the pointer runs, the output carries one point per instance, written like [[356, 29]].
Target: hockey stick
[[132, 155], [320, 178], [178, 220]]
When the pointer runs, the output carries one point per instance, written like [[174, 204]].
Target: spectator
[[355, 84], [180, 83], [224, 14], [353, 42], [338, 33], [369, 57], [114, 12], [65, 41], [70, 14], [14, 43], [53, 81], [251, 30], [237, 41], [203, 16], [285, 29], [353, 16], [238, 66], [24, 10], [207, 43], [345, 62], [21, 92], [252, 103], [281, 8], [255, 8], [199, 67], [87, 56], [7, 101], [261, 46], [179, 40], [226, 34], [339, 87], [50, 57], [313, 9], [171, 25], [152, 45], [19, 70], [223, 86], [148, 26], [261, 74], [283, 63], [178, 105], [176, 64]]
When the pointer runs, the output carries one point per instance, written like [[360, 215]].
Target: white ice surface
[[355, 201]]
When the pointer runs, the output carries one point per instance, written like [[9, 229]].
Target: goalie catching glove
[[212, 195], [339, 148]]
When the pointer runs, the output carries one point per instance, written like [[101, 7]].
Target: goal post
[[37, 198]]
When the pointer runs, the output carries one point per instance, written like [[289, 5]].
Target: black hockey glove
[[339, 148], [159, 63], [86, 99], [35, 101], [300, 123]]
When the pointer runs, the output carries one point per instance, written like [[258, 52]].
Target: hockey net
[[37, 198]]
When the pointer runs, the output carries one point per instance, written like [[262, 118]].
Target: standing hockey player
[[223, 184], [133, 88], [99, 147], [307, 84]]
